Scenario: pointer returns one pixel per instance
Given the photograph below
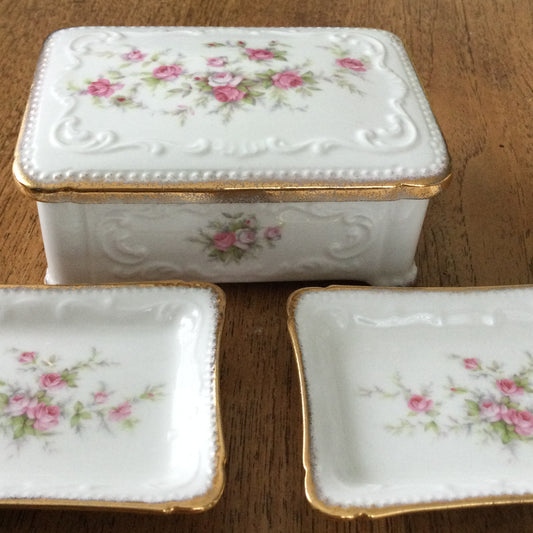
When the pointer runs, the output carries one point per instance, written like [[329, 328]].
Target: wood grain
[[475, 59]]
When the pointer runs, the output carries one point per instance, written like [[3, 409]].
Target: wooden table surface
[[474, 58]]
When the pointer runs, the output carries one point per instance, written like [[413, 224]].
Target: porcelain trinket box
[[229, 154]]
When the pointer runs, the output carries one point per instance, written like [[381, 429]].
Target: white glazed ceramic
[[229, 154], [415, 398], [108, 397]]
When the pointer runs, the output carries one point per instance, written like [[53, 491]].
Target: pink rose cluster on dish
[[216, 61], [52, 381], [103, 88], [120, 412], [134, 55], [167, 72], [352, 64], [471, 363], [27, 357], [419, 404], [259, 54], [289, 79], [509, 387], [44, 416], [100, 397], [522, 421]]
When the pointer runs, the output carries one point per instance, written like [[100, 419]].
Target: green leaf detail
[[432, 426], [4, 400], [472, 408], [18, 424], [129, 423], [69, 378]]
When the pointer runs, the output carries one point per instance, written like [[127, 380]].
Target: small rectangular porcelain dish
[[415, 399], [109, 397], [229, 154]]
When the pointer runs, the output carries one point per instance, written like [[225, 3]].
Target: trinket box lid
[[290, 114]]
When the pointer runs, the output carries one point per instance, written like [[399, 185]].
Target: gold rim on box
[[89, 191], [196, 504], [352, 512]]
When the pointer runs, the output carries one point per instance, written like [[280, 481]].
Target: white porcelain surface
[[417, 396], [175, 105], [108, 394], [368, 241]]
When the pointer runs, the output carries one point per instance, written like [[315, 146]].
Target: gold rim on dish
[[352, 512], [196, 504]]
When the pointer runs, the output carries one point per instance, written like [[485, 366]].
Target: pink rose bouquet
[[258, 54], [216, 61], [509, 387], [134, 55], [103, 88], [352, 64], [52, 381], [120, 412], [223, 240], [419, 404], [167, 72], [287, 80], [228, 93]]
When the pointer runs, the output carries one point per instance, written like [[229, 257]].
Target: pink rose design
[[221, 79], [258, 54], [216, 61], [523, 421], [273, 233], [489, 411], [17, 405], [507, 414], [134, 55], [509, 387], [227, 93], [471, 363], [287, 80], [30, 408], [52, 381], [27, 357], [46, 416], [103, 88], [419, 404], [352, 64], [167, 72], [120, 412], [100, 397], [224, 240], [244, 237]]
